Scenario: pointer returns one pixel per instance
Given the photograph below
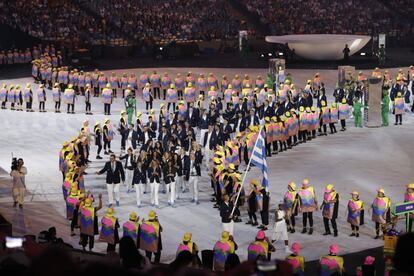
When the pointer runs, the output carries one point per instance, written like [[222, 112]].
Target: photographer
[[19, 185]]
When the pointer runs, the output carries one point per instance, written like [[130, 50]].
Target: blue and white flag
[[259, 157]]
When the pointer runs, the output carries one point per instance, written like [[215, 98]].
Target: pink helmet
[[369, 260], [260, 235], [295, 248], [334, 249]]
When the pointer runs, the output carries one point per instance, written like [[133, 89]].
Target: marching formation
[[168, 152]]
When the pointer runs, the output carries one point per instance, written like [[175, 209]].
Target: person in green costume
[[130, 106], [385, 105], [270, 81], [357, 112]]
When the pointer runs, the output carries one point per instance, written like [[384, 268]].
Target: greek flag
[[259, 157]]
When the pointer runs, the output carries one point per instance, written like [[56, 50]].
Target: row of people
[[146, 235]]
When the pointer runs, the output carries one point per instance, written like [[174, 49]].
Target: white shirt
[[251, 120], [238, 124], [129, 161], [146, 137]]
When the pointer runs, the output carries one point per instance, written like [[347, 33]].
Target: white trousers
[[229, 227], [208, 154], [129, 175], [179, 184], [113, 189], [154, 192], [18, 194], [195, 187], [280, 231], [202, 133], [138, 191], [171, 192]]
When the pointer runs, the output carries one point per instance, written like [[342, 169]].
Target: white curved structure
[[321, 46]]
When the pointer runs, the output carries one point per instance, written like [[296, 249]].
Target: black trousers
[[322, 126], [157, 92], [164, 92], [378, 227], [74, 220], [275, 146], [306, 216], [29, 105], [282, 145], [292, 221], [57, 105], [157, 256], [304, 135], [110, 247], [353, 227], [99, 149], [96, 91], [107, 109], [168, 106], [264, 215], [398, 118], [41, 105], [252, 216], [123, 139], [326, 224], [332, 127], [85, 239], [87, 106], [289, 142], [343, 123], [107, 145], [218, 193], [269, 149], [148, 105], [71, 108], [180, 94]]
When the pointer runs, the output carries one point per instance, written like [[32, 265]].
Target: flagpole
[[245, 173]]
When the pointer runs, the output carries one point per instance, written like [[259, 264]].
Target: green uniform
[[270, 81], [385, 108], [130, 107], [357, 113]]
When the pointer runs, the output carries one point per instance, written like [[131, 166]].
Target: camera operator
[[19, 186]]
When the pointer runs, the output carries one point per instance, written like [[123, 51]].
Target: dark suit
[[163, 138], [132, 161], [194, 117], [248, 121], [239, 125], [225, 212], [320, 99], [267, 112], [203, 123], [152, 127], [302, 102], [113, 177], [287, 106], [213, 140], [227, 130]]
